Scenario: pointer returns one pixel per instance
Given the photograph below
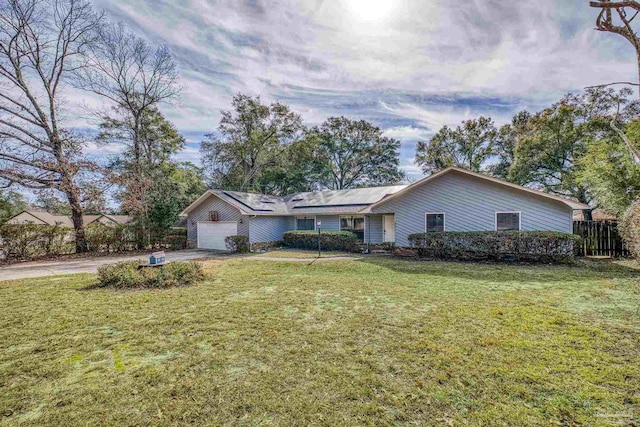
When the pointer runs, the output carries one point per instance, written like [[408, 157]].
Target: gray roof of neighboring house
[[312, 202], [180, 223], [120, 219], [66, 221], [596, 215]]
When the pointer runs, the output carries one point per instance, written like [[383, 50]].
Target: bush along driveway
[[90, 264]]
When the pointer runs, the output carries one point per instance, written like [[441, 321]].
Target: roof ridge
[[565, 200], [289, 195]]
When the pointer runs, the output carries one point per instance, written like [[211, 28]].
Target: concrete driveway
[[90, 264]]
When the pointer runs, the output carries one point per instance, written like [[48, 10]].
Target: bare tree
[[41, 44], [135, 77], [616, 17]]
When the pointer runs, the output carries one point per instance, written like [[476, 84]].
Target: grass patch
[[302, 253], [359, 342]]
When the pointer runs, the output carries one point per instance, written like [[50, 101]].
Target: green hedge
[[532, 246], [107, 238], [175, 242], [329, 240], [29, 241], [26, 241], [239, 244], [127, 274]]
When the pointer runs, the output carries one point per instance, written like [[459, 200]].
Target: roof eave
[[31, 214], [208, 193]]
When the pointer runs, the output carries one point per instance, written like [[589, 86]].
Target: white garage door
[[211, 234]]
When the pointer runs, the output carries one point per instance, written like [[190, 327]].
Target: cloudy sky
[[408, 66]]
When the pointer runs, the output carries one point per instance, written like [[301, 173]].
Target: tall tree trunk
[[145, 238], [77, 213], [78, 225]]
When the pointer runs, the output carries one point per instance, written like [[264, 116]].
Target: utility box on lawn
[[157, 258]]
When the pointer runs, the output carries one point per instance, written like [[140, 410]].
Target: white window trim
[[364, 217], [509, 212], [315, 221], [444, 220]]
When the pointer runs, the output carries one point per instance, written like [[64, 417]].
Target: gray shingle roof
[[358, 200]]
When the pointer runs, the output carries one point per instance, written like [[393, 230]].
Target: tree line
[[267, 149], [573, 148]]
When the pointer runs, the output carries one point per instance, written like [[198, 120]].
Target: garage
[[211, 235]]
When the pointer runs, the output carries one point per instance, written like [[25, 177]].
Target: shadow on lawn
[[583, 269]]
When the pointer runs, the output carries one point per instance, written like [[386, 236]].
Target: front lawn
[[303, 253], [358, 342]]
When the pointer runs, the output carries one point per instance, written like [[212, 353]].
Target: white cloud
[[404, 133]]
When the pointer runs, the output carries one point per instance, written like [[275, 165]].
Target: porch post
[[368, 230]]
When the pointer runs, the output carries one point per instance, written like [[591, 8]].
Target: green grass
[[357, 342], [301, 253]]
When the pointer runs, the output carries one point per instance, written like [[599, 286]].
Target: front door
[[389, 228]]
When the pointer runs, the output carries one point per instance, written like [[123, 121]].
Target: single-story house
[[453, 199], [46, 218]]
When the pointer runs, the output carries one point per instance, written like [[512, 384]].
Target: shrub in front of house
[[238, 244], [128, 274], [176, 242], [630, 228], [27, 241], [329, 240], [531, 246], [110, 238]]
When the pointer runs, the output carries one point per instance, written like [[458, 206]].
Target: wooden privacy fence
[[600, 238]]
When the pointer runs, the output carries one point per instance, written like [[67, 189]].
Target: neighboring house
[[180, 223], [453, 199], [596, 215], [45, 218]]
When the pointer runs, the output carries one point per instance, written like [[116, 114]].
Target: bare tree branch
[[614, 5], [612, 84]]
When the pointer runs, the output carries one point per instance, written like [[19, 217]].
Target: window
[[507, 221], [434, 222], [355, 224], [305, 223], [213, 216]]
